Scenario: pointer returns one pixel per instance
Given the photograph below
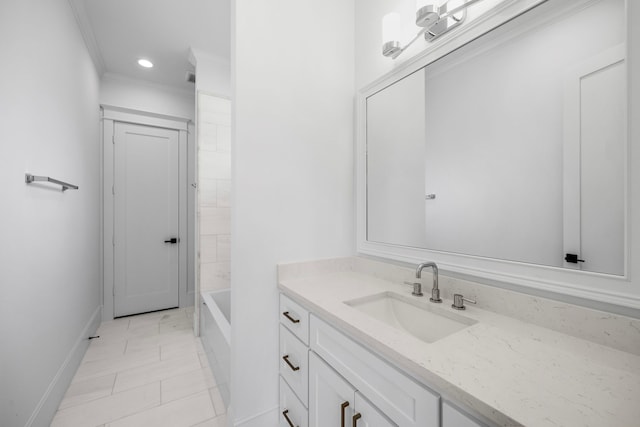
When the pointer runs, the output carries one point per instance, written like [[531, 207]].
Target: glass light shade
[[391, 27]]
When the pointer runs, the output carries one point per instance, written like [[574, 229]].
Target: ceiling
[[119, 32]]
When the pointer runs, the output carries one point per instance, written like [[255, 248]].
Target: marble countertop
[[510, 371]]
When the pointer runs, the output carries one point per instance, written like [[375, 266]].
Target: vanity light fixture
[[434, 21], [145, 63]]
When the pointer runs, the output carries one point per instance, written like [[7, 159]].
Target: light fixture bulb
[[391, 27], [391, 35], [145, 63]]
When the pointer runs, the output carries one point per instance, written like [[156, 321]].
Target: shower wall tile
[[209, 248], [223, 248], [214, 177], [223, 192], [208, 192], [215, 221], [215, 276], [223, 138]]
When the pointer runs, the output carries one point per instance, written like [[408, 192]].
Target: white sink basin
[[426, 321]]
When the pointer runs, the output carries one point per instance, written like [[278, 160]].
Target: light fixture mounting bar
[[435, 22]]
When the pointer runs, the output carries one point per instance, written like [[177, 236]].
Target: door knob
[[173, 240]]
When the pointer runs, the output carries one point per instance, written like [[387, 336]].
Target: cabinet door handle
[[356, 417], [286, 359], [286, 417], [286, 314], [342, 408]]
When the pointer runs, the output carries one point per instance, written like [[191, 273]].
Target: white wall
[[213, 74], [125, 92], [50, 250], [292, 171]]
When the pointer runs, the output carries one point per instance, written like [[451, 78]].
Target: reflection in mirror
[[511, 147]]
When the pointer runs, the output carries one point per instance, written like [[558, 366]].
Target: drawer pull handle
[[356, 417], [342, 408], [286, 359], [286, 417], [286, 314]]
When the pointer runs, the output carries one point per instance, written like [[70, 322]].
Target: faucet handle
[[417, 288], [458, 302]]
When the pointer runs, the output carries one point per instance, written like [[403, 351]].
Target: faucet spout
[[435, 292]]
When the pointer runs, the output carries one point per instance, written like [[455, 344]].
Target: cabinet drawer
[[295, 318], [400, 398], [294, 364], [292, 411]]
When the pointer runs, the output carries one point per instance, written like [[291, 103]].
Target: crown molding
[[84, 25]]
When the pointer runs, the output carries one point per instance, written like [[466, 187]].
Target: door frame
[[111, 115]]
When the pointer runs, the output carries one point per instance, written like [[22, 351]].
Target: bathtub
[[215, 332]]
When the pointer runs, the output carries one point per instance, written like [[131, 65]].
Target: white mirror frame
[[601, 288]]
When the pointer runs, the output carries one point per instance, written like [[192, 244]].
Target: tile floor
[[146, 370]]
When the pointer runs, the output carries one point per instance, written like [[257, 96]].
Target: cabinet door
[[451, 417], [367, 415], [331, 398]]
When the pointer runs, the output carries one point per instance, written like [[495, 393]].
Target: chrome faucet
[[435, 292]]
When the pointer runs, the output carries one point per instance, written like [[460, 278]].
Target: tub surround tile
[[208, 192], [224, 193], [215, 220], [539, 363], [224, 248], [215, 165], [208, 248], [215, 276], [223, 138]]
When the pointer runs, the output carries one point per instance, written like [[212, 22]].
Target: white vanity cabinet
[[452, 417], [294, 364], [335, 402], [329, 380], [395, 399]]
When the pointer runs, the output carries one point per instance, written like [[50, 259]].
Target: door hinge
[[113, 190], [113, 240], [113, 139]]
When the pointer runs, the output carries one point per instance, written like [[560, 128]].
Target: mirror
[[512, 147]]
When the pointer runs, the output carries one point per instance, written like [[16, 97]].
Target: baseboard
[[48, 405], [268, 418]]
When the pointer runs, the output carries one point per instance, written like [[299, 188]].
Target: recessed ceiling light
[[145, 63]]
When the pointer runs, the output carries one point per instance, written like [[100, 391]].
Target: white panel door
[[145, 219], [331, 397], [594, 162]]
